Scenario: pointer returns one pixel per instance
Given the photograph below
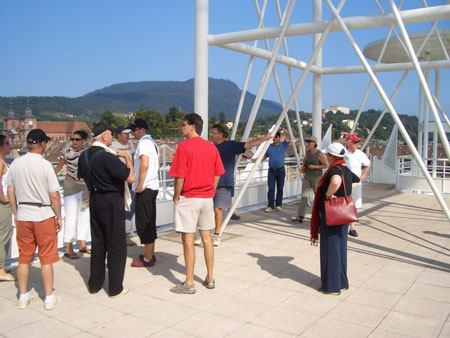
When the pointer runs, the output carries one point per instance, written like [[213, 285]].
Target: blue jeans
[[275, 176]]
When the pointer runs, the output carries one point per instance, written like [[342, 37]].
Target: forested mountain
[[128, 97]]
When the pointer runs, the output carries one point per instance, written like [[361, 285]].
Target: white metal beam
[[425, 87], [435, 13], [391, 108]]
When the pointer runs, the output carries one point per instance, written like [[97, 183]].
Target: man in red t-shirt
[[197, 168]]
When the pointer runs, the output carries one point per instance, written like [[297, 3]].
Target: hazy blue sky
[[69, 48]]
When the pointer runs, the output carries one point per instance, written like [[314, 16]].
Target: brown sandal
[[85, 250], [71, 256]]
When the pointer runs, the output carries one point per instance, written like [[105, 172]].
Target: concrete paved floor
[[267, 275]]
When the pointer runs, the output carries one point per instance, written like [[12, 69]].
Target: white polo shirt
[[146, 146], [355, 160], [33, 179]]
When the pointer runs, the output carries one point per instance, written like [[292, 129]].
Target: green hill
[[127, 97]]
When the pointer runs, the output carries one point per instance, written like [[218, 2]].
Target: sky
[[72, 47]]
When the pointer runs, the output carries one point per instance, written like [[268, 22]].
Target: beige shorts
[[190, 213]]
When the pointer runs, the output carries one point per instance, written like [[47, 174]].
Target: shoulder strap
[[343, 180], [88, 163]]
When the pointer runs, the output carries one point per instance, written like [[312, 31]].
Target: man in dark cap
[[33, 192], [146, 186], [105, 176]]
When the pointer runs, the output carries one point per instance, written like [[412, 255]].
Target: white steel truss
[[320, 30]]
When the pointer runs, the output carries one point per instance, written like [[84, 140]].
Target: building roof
[[61, 127]]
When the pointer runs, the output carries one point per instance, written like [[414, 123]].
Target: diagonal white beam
[[380, 117], [291, 82], [357, 22], [264, 54], [247, 77], [268, 71], [391, 108], [280, 94], [380, 57], [425, 87], [280, 120]]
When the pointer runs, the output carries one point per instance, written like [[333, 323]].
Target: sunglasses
[[75, 139]]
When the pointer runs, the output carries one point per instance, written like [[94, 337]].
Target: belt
[[35, 204], [276, 169]]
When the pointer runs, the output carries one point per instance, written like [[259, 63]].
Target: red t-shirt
[[198, 162]]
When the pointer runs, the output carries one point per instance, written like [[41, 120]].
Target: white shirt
[[355, 160], [33, 179], [146, 146]]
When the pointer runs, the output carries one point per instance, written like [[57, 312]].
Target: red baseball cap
[[353, 138]]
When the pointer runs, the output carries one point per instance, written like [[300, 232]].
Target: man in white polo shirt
[[33, 192], [355, 159], [146, 186]]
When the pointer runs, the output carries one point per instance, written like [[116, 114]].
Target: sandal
[[209, 283], [297, 219], [7, 278], [71, 256], [183, 288], [85, 250]]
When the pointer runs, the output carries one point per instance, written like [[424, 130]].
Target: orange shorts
[[41, 234]]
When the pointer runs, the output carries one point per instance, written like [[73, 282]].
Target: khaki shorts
[[37, 234], [190, 213]]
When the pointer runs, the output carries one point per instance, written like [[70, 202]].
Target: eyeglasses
[[75, 139]]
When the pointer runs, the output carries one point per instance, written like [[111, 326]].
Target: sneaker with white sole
[[197, 240], [217, 240], [51, 304], [268, 209], [278, 208], [24, 302]]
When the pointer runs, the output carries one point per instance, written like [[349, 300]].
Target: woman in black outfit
[[333, 242]]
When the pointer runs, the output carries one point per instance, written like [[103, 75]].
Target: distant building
[[17, 128], [349, 123], [335, 109]]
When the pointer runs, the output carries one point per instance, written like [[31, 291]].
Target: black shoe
[[235, 217], [353, 233]]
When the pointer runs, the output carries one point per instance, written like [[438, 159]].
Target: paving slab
[[267, 275]]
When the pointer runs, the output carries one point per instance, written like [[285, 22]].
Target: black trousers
[[108, 241], [145, 216]]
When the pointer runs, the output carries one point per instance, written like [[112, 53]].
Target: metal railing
[[438, 168]]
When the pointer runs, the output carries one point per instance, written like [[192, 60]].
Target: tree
[[155, 120], [222, 118]]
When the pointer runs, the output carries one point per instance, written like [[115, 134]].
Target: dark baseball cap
[[37, 136], [138, 123], [122, 129], [100, 128]]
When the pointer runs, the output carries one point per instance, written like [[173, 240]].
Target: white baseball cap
[[336, 149]]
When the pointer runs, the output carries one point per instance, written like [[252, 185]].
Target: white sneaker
[[268, 209], [197, 240], [24, 302], [123, 293], [217, 240], [278, 208], [50, 305]]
